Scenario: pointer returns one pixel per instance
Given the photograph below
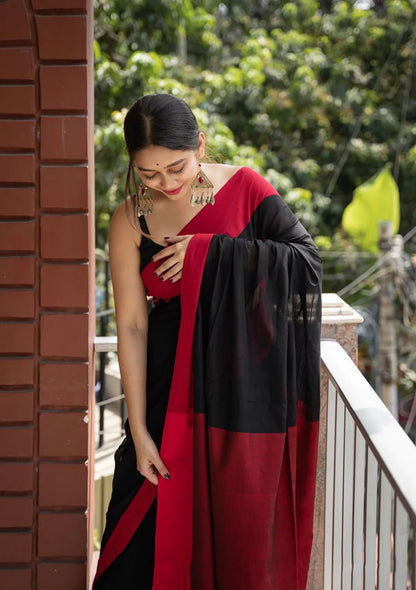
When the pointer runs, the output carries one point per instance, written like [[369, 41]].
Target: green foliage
[[276, 86]]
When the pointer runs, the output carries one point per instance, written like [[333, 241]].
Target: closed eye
[[178, 171], [171, 172]]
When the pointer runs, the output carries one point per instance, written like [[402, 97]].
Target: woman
[[214, 483]]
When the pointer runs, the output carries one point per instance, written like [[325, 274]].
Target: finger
[[175, 239], [163, 272], [165, 253], [176, 277], [150, 473], [161, 468], [171, 271]]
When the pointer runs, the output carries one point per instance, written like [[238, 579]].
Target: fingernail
[[155, 274], [162, 279], [166, 476], [166, 238], [170, 280]]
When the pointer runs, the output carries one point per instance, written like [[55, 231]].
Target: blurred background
[[320, 98]]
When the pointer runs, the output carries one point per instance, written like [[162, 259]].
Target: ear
[[200, 150]]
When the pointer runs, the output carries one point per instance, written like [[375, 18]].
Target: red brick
[[16, 579], [63, 434], [62, 4], [17, 64], [16, 372], [15, 547], [17, 134], [16, 477], [17, 236], [16, 443], [63, 485], [63, 384], [65, 576], [17, 167], [64, 336], [63, 138], [63, 88], [17, 100], [16, 406], [62, 37], [14, 21], [64, 237], [53, 543], [17, 202], [16, 512], [17, 270], [17, 338], [17, 304], [64, 286], [64, 187]]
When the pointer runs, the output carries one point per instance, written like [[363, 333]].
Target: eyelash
[[172, 172]]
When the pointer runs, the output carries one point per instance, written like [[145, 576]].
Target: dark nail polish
[[170, 280], [166, 238], [162, 279], [166, 476], [155, 274]]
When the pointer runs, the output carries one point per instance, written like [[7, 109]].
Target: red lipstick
[[175, 192]]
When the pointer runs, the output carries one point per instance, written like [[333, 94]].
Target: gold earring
[[144, 201], [202, 190]]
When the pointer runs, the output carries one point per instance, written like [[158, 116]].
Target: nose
[[168, 184]]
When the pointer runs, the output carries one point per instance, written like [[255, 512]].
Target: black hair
[[158, 119], [163, 120]]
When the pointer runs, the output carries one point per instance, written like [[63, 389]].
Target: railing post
[[339, 322]]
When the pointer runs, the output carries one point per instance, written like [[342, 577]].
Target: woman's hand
[[148, 460], [173, 257]]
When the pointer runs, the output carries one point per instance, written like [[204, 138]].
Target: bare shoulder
[[123, 225], [220, 173]]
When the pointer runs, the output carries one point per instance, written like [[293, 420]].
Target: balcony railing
[[370, 486], [366, 502]]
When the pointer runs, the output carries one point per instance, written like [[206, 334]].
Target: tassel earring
[[202, 190], [144, 201]]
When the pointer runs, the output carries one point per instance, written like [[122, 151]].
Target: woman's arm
[[132, 323]]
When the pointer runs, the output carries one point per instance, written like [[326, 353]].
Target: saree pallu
[[241, 427]]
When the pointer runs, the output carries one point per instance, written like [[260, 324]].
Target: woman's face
[[167, 171]]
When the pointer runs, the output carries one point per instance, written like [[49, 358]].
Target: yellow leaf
[[375, 200]]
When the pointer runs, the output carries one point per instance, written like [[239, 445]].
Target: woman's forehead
[[158, 157]]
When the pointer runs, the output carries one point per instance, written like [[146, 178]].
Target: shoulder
[[219, 174], [123, 225], [252, 181]]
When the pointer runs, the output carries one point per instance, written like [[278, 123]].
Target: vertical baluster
[[384, 534], [329, 485], [338, 494], [370, 522], [401, 538], [358, 523], [412, 557], [348, 501]]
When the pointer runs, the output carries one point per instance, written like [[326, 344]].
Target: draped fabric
[[241, 426]]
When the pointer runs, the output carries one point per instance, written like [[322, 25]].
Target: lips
[[175, 192]]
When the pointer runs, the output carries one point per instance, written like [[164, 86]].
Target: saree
[[239, 425]]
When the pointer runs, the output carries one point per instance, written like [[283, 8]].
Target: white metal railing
[[370, 489]]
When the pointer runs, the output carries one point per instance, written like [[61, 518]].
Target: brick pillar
[[46, 292]]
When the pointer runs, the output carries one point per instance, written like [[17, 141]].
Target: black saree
[[241, 427]]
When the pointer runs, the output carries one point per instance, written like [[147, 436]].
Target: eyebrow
[[168, 166]]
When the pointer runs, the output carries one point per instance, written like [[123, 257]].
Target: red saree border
[[173, 544], [126, 526]]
